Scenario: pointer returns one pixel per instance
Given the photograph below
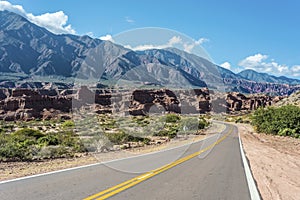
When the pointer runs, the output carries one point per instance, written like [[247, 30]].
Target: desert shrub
[[141, 120], [190, 123], [172, 118], [162, 133], [202, 123], [49, 139], [121, 138], [47, 152], [27, 132], [239, 120], [171, 133], [284, 121], [68, 124], [27, 144], [17, 147], [146, 141], [285, 132]]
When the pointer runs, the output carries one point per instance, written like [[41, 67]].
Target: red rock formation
[[28, 104]]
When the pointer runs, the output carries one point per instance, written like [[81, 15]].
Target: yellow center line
[[136, 180]]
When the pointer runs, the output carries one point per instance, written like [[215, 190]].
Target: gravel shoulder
[[11, 170], [274, 162]]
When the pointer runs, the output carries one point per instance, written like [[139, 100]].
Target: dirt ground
[[274, 162], [11, 170]]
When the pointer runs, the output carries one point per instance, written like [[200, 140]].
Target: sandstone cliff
[[29, 104]]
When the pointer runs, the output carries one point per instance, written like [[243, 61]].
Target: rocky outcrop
[[144, 102], [239, 102], [293, 99], [28, 104]]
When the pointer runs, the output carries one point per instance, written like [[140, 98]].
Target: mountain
[[31, 51], [227, 74], [264, 77]]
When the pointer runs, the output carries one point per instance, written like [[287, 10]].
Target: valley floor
[[274, 162], [11, 170]]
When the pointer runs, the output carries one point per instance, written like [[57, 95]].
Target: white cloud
[[129, 20], [5, 5], [188, 47], [54, 22], [252, 62], [107, 37], [295, 70], [145, 47], [261, 63], [226, 65], [91, 34], [175, 40]]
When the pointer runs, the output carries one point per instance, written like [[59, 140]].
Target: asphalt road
[[216, 173]]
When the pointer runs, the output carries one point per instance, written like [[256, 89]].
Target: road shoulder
[[274, 162]]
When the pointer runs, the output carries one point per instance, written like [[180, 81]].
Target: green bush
[[172, 118], [68, 124], [284, 121], [17, 147], [50, 139], [202, 123], [28, 144], [285, 132], [171, 133], [239, 120], [27, 132], [162, 133], [121, 138]]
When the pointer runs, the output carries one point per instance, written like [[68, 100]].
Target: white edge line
[[100, 163], [250, 180]]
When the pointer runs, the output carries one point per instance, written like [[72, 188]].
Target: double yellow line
[[136, 180]]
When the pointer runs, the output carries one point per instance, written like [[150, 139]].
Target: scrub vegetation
[[37, 140], [283, 121]]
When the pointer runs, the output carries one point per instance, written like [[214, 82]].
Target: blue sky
[[256, 34]]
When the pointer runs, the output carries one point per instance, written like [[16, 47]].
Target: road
[[208, 169]]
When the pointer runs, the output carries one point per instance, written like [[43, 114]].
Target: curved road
[[203, 170]]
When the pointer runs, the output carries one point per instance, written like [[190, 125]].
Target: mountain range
[[28, 49]]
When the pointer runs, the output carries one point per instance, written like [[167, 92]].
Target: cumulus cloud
[[259, 62], [175, 40], [107, 37], [262, 63], [295, 70], [188, 47], [226, 65], [5, 5], [54, 22]]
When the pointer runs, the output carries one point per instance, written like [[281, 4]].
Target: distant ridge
[[264, 77], [30, 50]]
